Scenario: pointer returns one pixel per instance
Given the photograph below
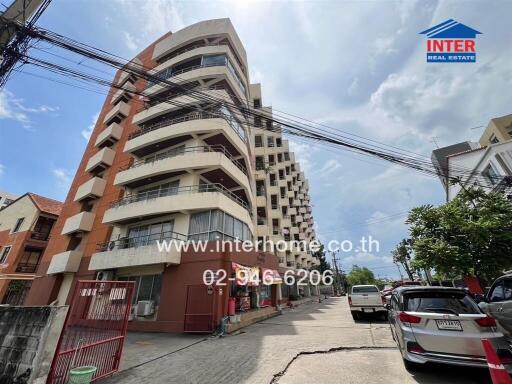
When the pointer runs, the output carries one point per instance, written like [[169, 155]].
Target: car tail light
[[406, 318], [486, 321], [414, 347], [349, 300]]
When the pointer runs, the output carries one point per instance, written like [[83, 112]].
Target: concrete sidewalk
[[143, 347]]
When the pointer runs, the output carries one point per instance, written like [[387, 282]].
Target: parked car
[[440, 324], [366, 299], [498, 303]]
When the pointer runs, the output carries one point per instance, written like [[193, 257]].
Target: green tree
[[402, 254], [470, 235], [360, 275], [324, 265]]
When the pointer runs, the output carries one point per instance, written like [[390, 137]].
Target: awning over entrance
[[245, 275], [270, 276]]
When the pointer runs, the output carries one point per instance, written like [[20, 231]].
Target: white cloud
[[330, 167], [63, 177], [86, 133], [150, 20], [130, 41], [12, 108]]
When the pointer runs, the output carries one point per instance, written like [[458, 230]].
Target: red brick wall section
[[44, 289], [171, 313]]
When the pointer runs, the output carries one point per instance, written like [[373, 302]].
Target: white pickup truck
[[366, 299]]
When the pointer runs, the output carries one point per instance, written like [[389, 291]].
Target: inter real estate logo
[[451, 42]]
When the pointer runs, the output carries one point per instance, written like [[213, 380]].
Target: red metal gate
[[199, 312], [95, 329]]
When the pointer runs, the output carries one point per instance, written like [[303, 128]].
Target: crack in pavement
[[277, 376]]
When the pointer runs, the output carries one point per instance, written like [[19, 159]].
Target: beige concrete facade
[[282, 191], [498, 130]]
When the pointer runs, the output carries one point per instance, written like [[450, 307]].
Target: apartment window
[[17, 227], [257, 103], [146, 287], [149, 234], [493, 139], [280, 157], [257, 121], [29, 261], [258, 141], [270, 141], [286, 156], [271, 160], [491, 174], [4, 254], [260, 163], [279, 142], [269, 124], [260, 188], [217, 225]]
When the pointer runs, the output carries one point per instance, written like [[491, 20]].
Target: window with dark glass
[[19, 222]]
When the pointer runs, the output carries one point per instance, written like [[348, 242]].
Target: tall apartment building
[[283, 209], [171, 165]]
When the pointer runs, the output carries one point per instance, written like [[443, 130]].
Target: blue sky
[[357, 66]]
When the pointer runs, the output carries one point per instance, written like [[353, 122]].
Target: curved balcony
[[178, 199], [197, 72], [218, 164], [161, 105], [136, 251], [175, 131]]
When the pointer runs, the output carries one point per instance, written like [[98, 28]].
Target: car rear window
[[440, 302], [364, 289]]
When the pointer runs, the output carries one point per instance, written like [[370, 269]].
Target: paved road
[[316, 342]]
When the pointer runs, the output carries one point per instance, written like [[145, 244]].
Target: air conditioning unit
[[145, 308], [105, 275]]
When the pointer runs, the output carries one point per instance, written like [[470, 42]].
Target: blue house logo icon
[[451, 42]]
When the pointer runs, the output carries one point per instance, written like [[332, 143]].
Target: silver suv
[[440, 324], [498, 303]]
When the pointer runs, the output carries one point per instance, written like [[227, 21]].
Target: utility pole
[[337, 282]]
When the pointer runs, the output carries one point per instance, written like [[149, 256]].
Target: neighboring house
[[25, 227], [498, 130], [170, 166], [487, 167], [6, 198], [440, 155]]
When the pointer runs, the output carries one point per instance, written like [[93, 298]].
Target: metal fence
[[95, 329]]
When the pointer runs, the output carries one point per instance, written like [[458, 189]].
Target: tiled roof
[[46, 205]]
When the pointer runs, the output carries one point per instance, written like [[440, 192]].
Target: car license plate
[[367, 310], [449, 325]]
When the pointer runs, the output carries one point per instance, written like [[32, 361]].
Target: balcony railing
[[183, 151], [27, 267], [171, 191], [140, 241], [190, 90], [44, 236], [188, 117], [187, 49]]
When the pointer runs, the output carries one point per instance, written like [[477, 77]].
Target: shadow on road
[[434, 373]]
